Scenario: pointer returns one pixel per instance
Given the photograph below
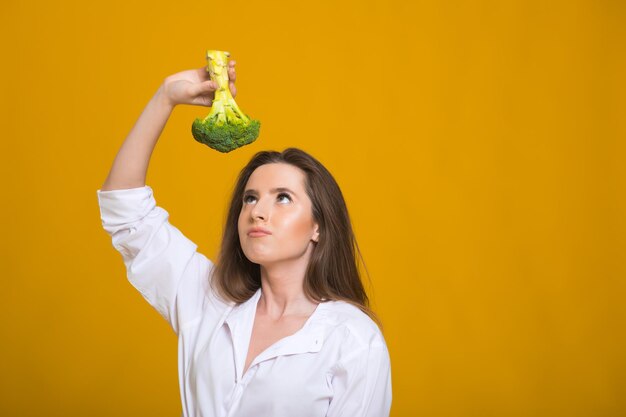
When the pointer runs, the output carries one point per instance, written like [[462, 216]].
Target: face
[[276, 201]]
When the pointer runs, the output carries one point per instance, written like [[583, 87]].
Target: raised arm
[[192, 87]]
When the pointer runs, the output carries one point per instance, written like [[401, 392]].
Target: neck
[[282, 292]]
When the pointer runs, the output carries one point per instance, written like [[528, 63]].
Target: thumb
[[202, 88]]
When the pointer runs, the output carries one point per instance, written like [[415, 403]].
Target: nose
[[259, 211], [256, 215]]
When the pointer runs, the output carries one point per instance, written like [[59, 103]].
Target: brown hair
[[332, 272]]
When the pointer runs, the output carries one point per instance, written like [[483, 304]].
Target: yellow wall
[[480, 146]]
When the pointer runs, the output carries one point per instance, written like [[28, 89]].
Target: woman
[[280, 324]]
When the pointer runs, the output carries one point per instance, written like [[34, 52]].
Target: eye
[[284, 195]]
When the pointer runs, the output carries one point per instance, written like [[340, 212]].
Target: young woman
[[279, 325]]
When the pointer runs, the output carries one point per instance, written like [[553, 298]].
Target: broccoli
[[226, 127]]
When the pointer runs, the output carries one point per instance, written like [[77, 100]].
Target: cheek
[[240, 222], [299, 226]]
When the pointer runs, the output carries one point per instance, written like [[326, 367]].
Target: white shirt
[[337, 364]]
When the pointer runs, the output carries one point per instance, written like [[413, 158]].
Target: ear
[[316, 234]]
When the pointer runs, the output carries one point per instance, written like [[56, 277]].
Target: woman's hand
[[195, 86]]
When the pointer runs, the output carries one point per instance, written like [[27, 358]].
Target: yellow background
[[480, 146]]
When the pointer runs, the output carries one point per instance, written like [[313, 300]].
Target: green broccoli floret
[[226, 127]]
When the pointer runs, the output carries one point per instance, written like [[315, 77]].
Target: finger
[[202, 88], [231, 74], [233, 89], [203, 73], [203, 101]]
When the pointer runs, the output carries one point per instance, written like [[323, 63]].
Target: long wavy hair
[[332, 272]]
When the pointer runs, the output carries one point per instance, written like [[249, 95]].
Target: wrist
[[162, 100]]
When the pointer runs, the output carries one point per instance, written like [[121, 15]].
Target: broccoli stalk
[[226, 127]]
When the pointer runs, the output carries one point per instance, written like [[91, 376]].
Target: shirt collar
[[309, 338]]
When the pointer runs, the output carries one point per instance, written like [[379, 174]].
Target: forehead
[[277, 175]]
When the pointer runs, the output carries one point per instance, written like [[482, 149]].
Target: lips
[[258, 232]]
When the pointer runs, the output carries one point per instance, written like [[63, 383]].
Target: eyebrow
[[273, 190]]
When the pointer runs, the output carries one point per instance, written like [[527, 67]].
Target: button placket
[[249, 374]]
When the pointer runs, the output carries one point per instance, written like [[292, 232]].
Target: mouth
[[258, 233]]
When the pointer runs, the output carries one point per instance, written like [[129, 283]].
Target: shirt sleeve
[[362, 384], [161, 263]]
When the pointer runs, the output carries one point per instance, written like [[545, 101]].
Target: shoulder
[[351, 326]]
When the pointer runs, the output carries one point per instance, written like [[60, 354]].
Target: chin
[[258, 258]]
